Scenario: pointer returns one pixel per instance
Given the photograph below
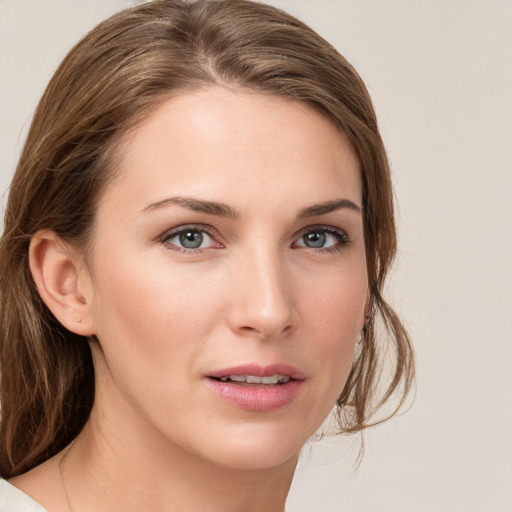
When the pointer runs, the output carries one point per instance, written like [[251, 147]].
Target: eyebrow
[[196, 205], [224, 210], [328, 207]]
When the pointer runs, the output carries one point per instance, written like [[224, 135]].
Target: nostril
[[248, 329], [265, 333]]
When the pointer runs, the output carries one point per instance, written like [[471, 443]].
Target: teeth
[[238, 378], [252, 379]]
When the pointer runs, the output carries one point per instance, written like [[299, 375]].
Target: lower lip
[[258, 398]]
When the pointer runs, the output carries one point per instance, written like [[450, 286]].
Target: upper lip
[[259, 371]]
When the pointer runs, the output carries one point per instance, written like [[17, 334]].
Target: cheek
[[150, 315], [336, 300], [336, 312], [151, 328]]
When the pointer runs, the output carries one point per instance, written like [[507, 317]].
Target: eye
[[322, 238], [190, 239]]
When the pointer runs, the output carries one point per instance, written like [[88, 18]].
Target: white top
[[13, 500]]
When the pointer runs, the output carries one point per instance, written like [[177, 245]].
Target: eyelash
[[198, 228], [342, 238]]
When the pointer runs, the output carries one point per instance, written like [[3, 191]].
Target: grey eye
[[315, 240], [191, 239], [322, 238]]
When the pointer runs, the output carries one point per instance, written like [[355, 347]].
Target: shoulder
[[14, 500]]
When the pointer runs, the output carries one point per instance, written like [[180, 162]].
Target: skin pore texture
[[232, 236]]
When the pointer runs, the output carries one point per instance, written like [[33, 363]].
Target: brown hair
[[122, 70]]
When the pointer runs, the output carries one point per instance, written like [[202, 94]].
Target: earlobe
[[58, 274]]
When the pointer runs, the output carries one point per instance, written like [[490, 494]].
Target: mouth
[[257, 388], [251, 380]]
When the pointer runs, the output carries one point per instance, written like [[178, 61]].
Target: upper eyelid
[[169, 233], [321, 227]]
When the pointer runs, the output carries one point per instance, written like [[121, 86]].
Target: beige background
[[440, 73]]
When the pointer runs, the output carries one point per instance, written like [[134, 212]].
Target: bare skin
[[278, 277]]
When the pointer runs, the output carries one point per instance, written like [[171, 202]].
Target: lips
[[257, 388]]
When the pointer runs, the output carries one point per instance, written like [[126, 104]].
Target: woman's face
[[230, 246]]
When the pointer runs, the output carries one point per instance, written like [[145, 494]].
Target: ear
[[63, 281]]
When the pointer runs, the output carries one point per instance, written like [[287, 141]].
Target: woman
[[195, 245]]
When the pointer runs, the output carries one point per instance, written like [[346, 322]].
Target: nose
[[263, 300]]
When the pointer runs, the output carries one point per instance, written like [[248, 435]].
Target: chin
[[255, 447], [255, 458]]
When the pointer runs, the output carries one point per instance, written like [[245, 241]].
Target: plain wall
[[440, 73]]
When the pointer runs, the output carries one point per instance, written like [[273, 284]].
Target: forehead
[[224, 144]]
